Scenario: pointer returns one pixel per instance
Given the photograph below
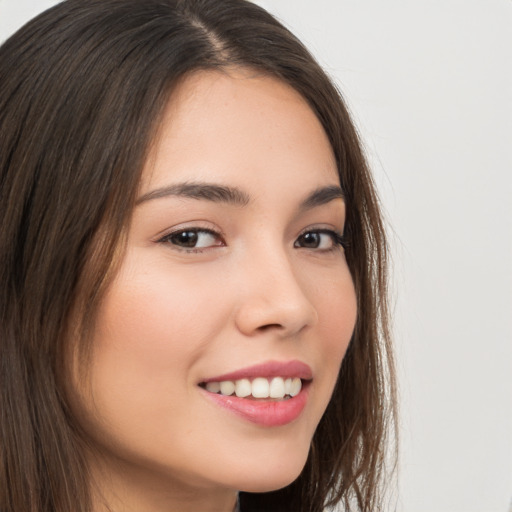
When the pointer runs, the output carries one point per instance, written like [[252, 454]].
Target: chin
[[267, 485], [271, 476]]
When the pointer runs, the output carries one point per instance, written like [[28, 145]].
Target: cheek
[[338, 318], [158, 316], [147, 337], [336, 304], [337, 313], [151, 328]]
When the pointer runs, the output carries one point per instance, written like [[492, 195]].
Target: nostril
[[269, 327]]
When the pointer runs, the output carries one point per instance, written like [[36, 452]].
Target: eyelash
[[169, 237], [337, 238]]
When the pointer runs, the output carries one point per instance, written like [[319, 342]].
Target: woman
[[193, 268]]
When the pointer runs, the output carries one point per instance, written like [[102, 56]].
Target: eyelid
[[194, 225], [338, 236], [197, 227]]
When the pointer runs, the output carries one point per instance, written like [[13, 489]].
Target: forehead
[[239, 128]]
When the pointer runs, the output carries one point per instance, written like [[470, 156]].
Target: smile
[[260, 387], [271, 394]]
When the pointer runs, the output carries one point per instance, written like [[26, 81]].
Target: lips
[[287, 369], [269, 394]]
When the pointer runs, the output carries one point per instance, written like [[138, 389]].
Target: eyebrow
[[232, 195], [322, 196], [208, 191]]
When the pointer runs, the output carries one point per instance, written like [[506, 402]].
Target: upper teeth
[[277, 387]]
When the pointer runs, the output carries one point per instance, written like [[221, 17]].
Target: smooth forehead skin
[[187, 133]]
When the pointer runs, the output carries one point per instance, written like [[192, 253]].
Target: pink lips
[[270, 369], [268, 413]]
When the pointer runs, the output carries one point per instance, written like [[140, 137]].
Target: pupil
[[186, 238], [311, 240]]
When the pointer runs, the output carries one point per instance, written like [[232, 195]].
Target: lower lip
[[266, 413]]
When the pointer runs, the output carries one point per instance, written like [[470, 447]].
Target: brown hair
[[82, 88]]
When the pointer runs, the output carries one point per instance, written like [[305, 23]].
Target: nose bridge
[[273, 296]]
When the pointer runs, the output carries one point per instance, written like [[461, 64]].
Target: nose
[[273, 299]]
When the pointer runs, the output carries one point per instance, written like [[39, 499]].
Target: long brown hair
[[82, 89]]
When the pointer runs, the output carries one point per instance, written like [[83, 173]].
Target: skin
[[255, 292]]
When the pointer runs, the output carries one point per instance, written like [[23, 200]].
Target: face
[[234, 277]]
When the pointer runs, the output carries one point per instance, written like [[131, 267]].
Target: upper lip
[[286, 369]]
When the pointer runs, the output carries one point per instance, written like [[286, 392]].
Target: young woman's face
[[234, 276]]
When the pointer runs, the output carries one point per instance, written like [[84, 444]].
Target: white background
[[430, 86]]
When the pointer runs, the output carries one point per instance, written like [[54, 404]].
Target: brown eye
[[309, 240], [193, 239], [323, 240], [184, 239]]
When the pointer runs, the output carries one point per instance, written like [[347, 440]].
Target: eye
[[320, 239], [193, 239]]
